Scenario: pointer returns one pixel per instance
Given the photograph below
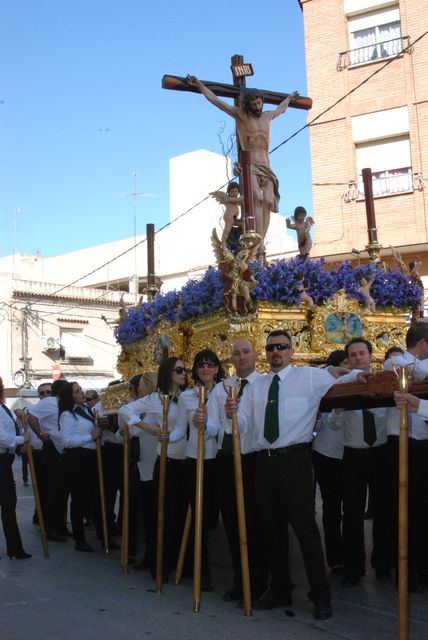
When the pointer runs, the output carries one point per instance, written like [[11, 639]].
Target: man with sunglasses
[[281, 408]]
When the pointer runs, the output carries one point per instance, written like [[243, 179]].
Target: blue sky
[[81, 108]]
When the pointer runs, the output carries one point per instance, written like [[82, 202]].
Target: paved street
[[73, 595]]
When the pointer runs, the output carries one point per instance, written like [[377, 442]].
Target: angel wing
[[399, 261], [220, 196], [216, 245]]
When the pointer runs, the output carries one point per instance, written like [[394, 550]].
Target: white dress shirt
[[328, 442], [418, 429], [188, 402], [423, 409], [218, 423], [152, 407], [418, 369], [46, 412], [353, 427], [300, 392], [8, 437], [76, 430], [131, 414]]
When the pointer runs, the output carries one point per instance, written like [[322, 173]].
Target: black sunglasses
[[281, 346], [45, 393], [180, 370], [88, 398]]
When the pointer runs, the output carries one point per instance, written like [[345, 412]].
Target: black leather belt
[[283, 451]]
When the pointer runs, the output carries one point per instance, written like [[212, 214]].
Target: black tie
[[369, 427], [271, 430], [227, 444]]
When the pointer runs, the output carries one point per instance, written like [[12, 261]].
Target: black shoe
[[233, 595], [350, 580], [66, 533], [368, 515], [83, 546], [271, 600], [322, 612], [21, 555], [55, 537]]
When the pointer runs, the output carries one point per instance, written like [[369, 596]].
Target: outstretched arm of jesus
[[227, 108], [283, 106]]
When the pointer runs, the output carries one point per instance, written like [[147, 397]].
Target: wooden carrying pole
[[36, 493], [125, 508], [197, 568], [239, 487], [161, 495], [183, 546], [101, 484], [403, 515]]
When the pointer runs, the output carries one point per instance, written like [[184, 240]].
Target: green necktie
[[271, 430]]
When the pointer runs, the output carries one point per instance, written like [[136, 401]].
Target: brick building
[[382, 124]]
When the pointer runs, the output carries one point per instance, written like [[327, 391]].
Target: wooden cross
[[240, 70]]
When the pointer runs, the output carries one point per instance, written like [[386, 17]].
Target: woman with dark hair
[[80, 463], [9, 440], [206, 372], [146, 414], [327, 454]]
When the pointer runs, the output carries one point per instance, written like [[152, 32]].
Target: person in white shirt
[[43, 419], [206, 371], [327, 455], [416, 360], [281, 408], [364, 464], [172, 381], [243, 357], [80, 464], [9, 440]]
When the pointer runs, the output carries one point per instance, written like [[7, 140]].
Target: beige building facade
[[370, 52]]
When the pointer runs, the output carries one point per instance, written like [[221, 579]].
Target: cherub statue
[[238, 282], [231, 216], [302, 224], [364, 290]]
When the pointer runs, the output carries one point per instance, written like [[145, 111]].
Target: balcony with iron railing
[[373, 52], [386, 183]]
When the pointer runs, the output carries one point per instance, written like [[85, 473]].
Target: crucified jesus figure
[[253, 128]]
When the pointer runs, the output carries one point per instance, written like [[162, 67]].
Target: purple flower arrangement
[[277, 282]]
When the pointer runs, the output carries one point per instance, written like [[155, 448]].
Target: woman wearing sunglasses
[[206, 371], [146, 414]]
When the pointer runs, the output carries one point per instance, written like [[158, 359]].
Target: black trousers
[[175, 507], [57, 492], [8, 505], [80, 466], [257, 557], [361, 467], [329, 475], [209, 498], [284, 492], [418, 506], [113, 477]]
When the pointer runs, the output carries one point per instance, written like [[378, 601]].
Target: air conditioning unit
[[49, 343]]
